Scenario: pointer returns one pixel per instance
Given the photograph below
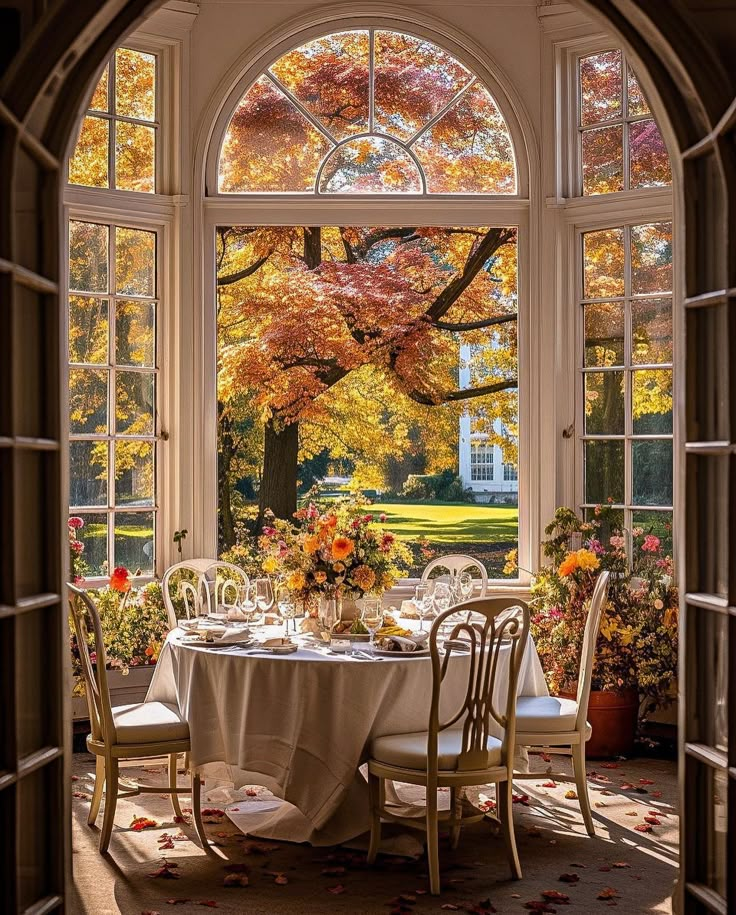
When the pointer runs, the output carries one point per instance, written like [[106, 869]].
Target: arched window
[[369, 111]]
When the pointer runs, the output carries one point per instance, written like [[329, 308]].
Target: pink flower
[[368, 519], [637, 532], [651, 544], [382, 517], [618, 543], [77, 546], [269, 531], [75, 523], [596, 547]]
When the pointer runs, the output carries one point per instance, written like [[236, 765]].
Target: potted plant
[[636, 652]]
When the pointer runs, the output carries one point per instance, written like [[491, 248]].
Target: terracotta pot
[[613, 716]]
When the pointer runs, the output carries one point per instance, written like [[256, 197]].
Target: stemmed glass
[[287, 608], [423, 601], [247, 602], [464, 585], [441, 596], [264, 594], [372, 617]]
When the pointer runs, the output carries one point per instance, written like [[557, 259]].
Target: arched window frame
[[372, 209]]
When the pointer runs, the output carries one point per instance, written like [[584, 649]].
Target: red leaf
[[138, 824], [620, 864], [608, 892], [643, 827], [569, 878], [555, 896], [335, 890], [654, 821], [213, 812], [165, 871], [656, 794], [235, 880], [178, 819], [646, 781], [549, 784], [520, 799], [657, 813], [167, 843], [610, 765]]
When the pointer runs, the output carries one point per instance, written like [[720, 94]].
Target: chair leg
[[433, 842], [173, 762], [375, 785], [112, 775], [456, 805], [505, 812], [94, 807], [197, 809], [581, 783]]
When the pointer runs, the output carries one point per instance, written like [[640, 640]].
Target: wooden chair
[[139, 731], [204, 585], [456, 563], [461, 750], [550, 722]]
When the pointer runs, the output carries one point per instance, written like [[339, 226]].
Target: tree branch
[[475, 325], [231, 278], [464, 393]]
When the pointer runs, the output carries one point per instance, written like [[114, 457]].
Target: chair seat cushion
[[545, 714], [149, 722], [409, 751]]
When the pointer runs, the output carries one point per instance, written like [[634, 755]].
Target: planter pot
[[613, 716], [124, 690]]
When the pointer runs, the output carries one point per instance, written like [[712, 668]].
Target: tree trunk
[[280, 463], [227, 451]]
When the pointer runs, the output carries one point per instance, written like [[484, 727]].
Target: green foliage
[[445, 486]]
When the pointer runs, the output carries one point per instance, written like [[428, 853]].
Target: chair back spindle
[[587, 655], [88, 631]]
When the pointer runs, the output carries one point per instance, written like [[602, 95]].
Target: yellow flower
[[364, 578], [296, 581], [269, 564], [387, 581], [311, 543], [342, 547], [320, 577], [512, 562], [587, 560]]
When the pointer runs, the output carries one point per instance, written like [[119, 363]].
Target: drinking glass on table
[[247, 602], [422, 601], [287, 608], [441, 596], [264, 594], [371, 616], [464, 585]]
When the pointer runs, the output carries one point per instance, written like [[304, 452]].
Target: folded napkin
[[409, 610], [403, 643], [233, 634]]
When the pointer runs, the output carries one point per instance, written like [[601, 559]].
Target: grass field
[[450, 522]]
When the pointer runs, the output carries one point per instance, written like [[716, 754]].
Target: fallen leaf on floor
[[548, 785], [610, 765], [166, 871], [520, 799], [620, 864], [235, 880], [600, 804], [569, 878], [654, 821], [138, 824], [259, 848], [81, 794], [571, 795], [279, 877], [656, 794], [632, 813], [643, 827], [627, 786], [646, 781], [658, 813], [450, 907], [167, 843], [606, 792], [178, 819], [335, 890], [555, 896], [608, 892]]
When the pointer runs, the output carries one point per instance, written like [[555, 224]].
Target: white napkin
[[413, 643], [233, 634]]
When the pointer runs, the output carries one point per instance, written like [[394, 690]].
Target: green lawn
[[450, 522]]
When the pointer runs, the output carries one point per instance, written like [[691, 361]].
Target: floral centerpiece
[[341, 551]]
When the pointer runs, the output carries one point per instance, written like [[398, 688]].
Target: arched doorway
[[41, 94]]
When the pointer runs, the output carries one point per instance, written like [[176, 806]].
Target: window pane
[[603, 263], [135, 157], [134, 403], [88, 473], [708, 652], [134, 540], [269, 145], [604, 334], [651, 258], [88, 329], [88, 257], [604, 471], [89, 164], [329, 77], [135, 332], [604, 403], [413, 80], [651, 396], [88, 401], [603, 160], [612, 523], [135, 84], [648, 160], [637, 102], [135, 261], [94, 537], [134, 473], [652, 472], [469, 150], [651, 331], [711, 788], [370, 165], [600, 87], [658, 524], [100, 97]]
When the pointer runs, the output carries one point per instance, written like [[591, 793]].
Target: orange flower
[[568, 564], [364, 578], [320, 577], [120, 579], [342, 547], [311, 543]]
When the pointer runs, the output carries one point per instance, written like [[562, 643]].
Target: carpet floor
[[630, 864]]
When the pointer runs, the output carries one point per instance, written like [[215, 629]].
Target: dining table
[[301, 724]]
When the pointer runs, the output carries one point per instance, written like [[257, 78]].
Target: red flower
[[77, 546], [120, 579], [75, 523]]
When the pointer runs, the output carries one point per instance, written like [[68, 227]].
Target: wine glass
[[287, 608], [264, 594], [441, 596], [372, 617], [423, 601], [247, 602], [464, 585]]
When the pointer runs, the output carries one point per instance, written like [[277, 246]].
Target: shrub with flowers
[[637, 644], [333, 551]]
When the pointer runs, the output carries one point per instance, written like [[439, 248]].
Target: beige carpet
[[631, 869]]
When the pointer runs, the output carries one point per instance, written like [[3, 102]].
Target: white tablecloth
[[300, 724]]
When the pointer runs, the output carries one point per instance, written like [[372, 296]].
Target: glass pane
[[88, 473], [88, 401], [135, 332], [88, 243], [708, 678], [134, 475], [35, 718], [413, 80], [100, 97], [609, 524], [134, 541], [604, 471], [329, 77], [649, 163], [135, 261], [651, 258], [94, 537], [269, 145], [637, 102], [651, 331], [655, 524], [600, 87], [603, 263], [134, 403], [604, 334], [469, 150], [135, 84], [89, 164], [88, 327], [604, 403], [370, 165], [652, 472], [651, 402], [135, 157], [709, 787], [603, 160], [36, 797]]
